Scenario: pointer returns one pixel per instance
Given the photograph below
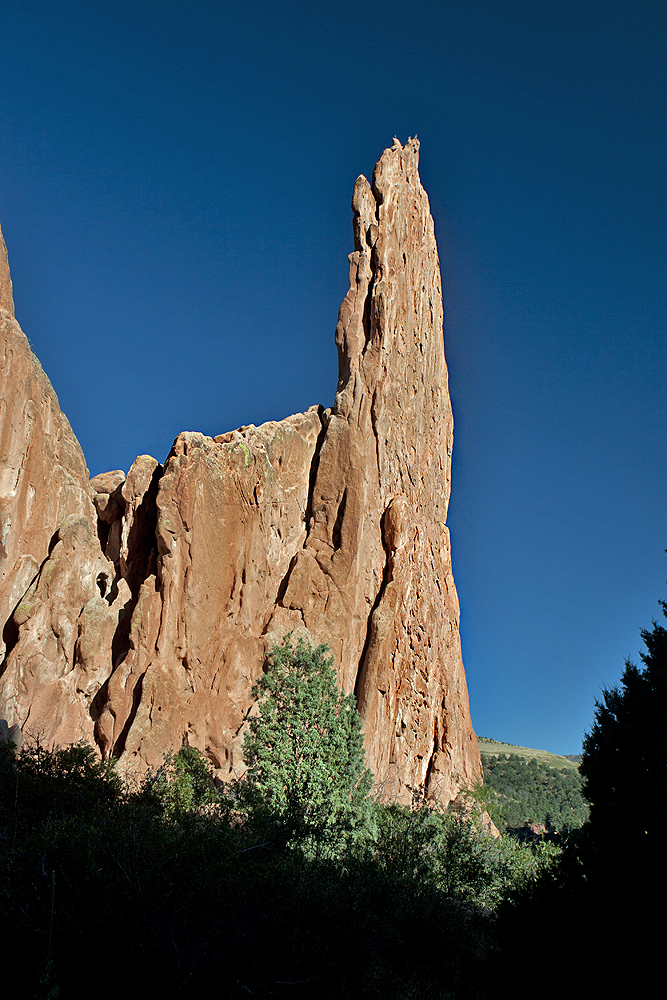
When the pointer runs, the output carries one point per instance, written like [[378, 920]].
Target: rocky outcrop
[[43, 474], [145, 617]]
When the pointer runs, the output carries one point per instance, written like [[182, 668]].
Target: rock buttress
[[329, 524]]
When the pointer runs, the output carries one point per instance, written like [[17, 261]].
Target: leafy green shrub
[[186, 891], [66, 780], [451, 856], [306, 774], [185, 782], [335, 902]]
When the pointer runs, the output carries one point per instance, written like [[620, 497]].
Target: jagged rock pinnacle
[[6, 292]]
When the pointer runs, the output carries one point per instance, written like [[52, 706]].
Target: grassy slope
[[491, 748]]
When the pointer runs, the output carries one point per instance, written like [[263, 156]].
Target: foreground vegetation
[[294, 882], [594, 925], [170, 880]]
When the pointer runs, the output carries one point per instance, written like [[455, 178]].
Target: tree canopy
[[304, 751], [625, 754]]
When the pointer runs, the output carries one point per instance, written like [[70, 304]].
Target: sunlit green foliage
[[295, 883], [200, 904], [448, 854], [304, 751]]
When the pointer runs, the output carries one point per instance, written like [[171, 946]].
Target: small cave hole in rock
[[103, 584]]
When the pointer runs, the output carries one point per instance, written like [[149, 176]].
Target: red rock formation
[[6, 292], [43, 474], [149, 620]]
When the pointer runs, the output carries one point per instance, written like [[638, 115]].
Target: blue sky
[[174, 192]]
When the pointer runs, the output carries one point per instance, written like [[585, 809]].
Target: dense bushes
[[292, 883], [177, 885], [183, 890], [313, 889]]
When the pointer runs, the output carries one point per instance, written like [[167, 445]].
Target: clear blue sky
[[174, 192]]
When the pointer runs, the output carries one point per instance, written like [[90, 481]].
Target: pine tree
[[304, 752], [625, 754]]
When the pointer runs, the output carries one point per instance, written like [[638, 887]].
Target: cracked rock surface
[[138, 609]]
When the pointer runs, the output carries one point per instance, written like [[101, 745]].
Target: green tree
[[613, 872], [624, 761], [304, 751]]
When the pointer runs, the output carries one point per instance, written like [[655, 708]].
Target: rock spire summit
[[6, 292]]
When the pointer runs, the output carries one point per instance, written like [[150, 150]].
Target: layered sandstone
[[144, 620]]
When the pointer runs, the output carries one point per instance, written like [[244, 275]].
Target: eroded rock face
[[151, 617], [231, 515], [66, 630], [43, 474]]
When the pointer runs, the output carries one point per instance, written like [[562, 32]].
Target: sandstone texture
[[138, 609], [43, 474]]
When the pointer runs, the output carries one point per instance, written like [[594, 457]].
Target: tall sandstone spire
[[147, 622], [6, 296]]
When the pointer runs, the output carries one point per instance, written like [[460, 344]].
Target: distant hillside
[[526, 786], [491, 748]]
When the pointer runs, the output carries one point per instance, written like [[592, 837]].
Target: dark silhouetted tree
[[610, 884], [625, 755]]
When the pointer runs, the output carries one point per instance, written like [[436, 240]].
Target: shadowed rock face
[[145, 619]]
